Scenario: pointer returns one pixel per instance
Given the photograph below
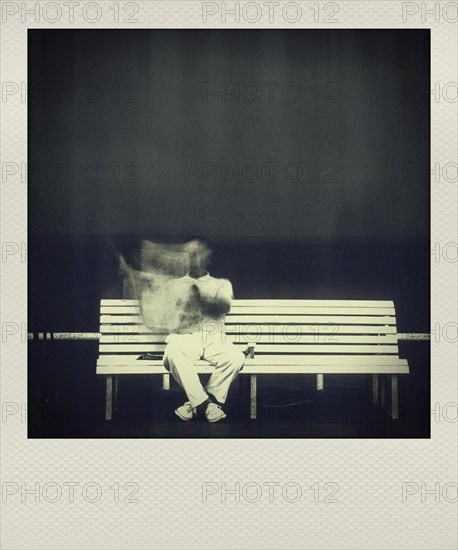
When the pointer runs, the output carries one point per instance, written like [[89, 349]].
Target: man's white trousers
[[184, 350]]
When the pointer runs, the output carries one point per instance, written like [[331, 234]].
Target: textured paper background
[[170, 513]]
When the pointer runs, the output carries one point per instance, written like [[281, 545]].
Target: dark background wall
[[131, 132]]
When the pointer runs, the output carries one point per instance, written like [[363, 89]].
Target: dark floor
[[67, 399]]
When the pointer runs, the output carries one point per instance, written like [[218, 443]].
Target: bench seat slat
[[342, 360], [262, 348], [260, 369], [274, 319]]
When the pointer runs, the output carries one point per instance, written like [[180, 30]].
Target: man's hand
[[213, 306]]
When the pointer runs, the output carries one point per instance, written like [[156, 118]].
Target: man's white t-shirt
[[184, 314]]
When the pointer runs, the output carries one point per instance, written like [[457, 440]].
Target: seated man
[[201, 302]]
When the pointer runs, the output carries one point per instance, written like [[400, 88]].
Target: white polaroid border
[[176, 494]]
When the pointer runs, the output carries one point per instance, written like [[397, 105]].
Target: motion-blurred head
[[199, 258]]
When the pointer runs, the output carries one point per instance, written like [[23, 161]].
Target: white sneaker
[[214, 412], [186, 412]]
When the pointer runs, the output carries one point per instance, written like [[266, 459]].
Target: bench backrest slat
[[283, 303], [130, 337], [274, 310], [288, 330], [249, 320]]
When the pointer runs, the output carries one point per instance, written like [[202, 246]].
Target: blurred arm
[[220, 303]]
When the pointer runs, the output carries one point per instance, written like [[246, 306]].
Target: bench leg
[[253, 396], [382, 392], [319, 382], [109, 399], [115, 393], [166, 381], [375, 389], [394, 397]]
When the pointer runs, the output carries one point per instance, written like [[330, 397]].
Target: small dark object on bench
[[150, 357]]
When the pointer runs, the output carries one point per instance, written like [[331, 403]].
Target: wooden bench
[[317, 337]]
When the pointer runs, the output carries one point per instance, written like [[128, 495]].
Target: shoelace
[[190, 407]]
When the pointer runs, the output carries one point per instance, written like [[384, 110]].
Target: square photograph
[[229, 233]]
